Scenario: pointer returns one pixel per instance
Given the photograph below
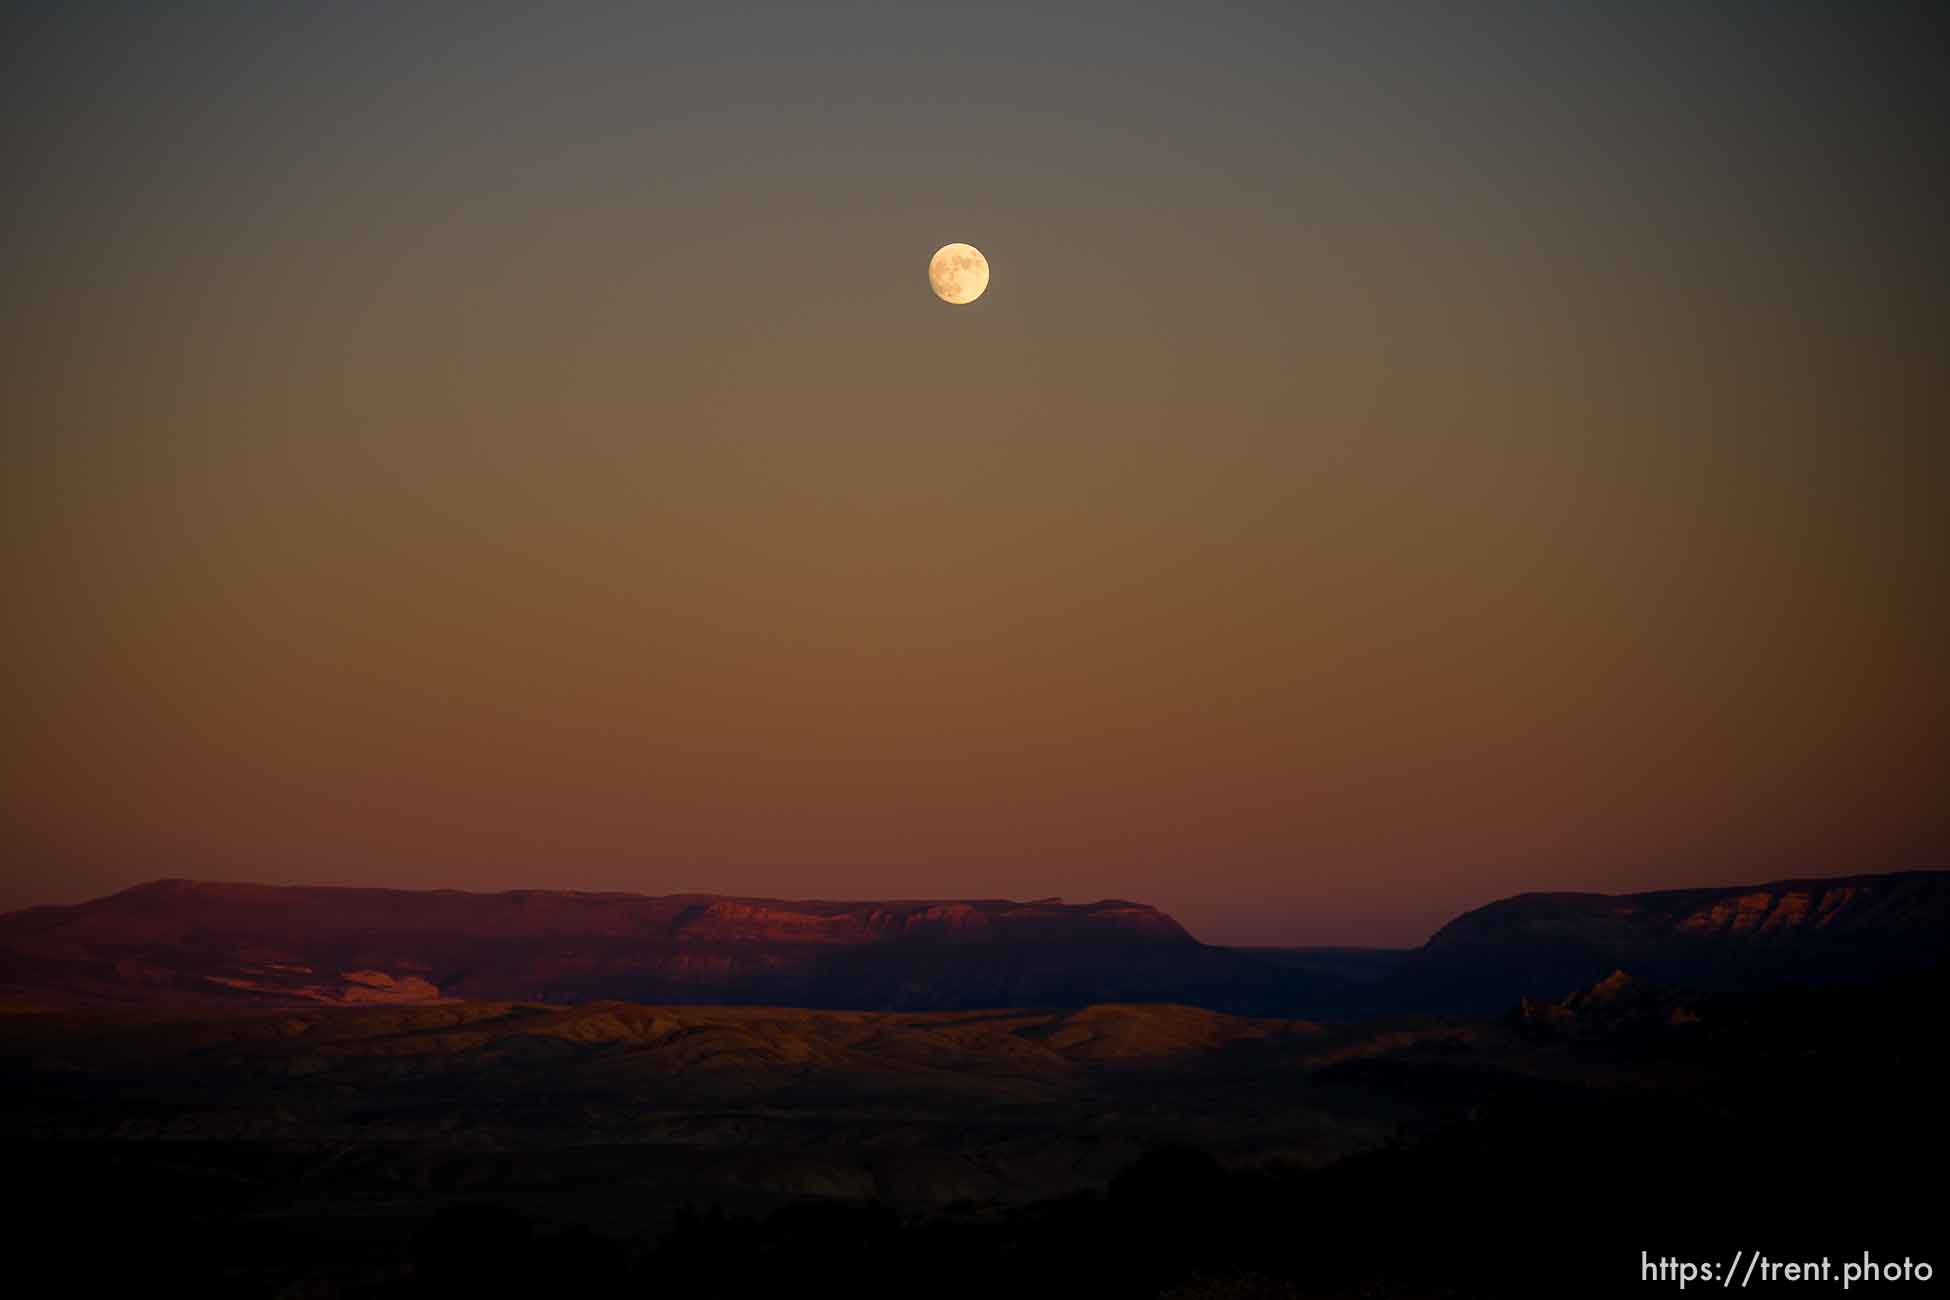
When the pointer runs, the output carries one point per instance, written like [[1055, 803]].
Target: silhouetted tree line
[[1510, 1200], [1533, 1199]]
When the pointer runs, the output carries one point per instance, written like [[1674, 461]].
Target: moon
[[958, 273]]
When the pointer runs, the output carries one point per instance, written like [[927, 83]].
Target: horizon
[[1061, 900]]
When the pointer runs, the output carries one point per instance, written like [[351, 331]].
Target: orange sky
[[1396, 464]]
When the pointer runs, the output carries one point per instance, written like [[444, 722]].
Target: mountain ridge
[[184, 941], [179, 941], [1811, 929]]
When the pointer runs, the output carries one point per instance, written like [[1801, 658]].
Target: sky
[[1404, 457]]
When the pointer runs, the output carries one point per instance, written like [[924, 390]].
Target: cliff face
[[1783, 914], [191, 942], [188, 943], [1744, 937]]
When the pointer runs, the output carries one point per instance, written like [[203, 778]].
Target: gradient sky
[[1406, 456]]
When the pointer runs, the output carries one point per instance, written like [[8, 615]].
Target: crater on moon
[[958, 273]]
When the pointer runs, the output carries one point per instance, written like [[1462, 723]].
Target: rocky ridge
[[184, 942]]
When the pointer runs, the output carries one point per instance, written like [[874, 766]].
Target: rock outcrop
[[1814, 931], [184, 942]]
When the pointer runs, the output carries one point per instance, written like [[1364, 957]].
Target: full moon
[[958, 273]]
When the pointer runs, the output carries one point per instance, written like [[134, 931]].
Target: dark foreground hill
[[189, 943], [1150, 1152]]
